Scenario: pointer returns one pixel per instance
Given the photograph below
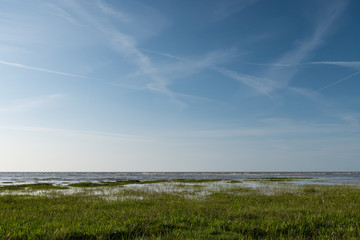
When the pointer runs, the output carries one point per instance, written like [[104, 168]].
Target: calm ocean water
[[7, 178]]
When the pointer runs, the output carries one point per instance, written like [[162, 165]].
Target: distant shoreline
[[65, 178]]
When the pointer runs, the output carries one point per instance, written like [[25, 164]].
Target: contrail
[[338, 81], [40, 69]]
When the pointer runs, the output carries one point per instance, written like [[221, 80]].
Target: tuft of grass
[[196, 180], [119, 183], [152, 181], [103, 184], [312, 189], [277, 179], [234, 181], [85, 184]]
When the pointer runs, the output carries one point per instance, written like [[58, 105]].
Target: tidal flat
[[180, 209]]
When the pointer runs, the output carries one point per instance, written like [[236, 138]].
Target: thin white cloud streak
[[18, 65], [63, 14], [179, 95], [164, 54], [262, 85], [279, 128], [305, 92], [338, 81], [29, 104], [58, 131], [280, 65], [227, 8], [326, 19], [350, 64], [208, 60], [110, 11]]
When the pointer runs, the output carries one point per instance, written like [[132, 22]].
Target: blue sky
[[235, 85]]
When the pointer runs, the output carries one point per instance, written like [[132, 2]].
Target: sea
[[64, 178]]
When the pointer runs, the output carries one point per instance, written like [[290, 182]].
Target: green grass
[[196, 180], [35, 186], [103, 184], [278, 179], [234, 181], [309, 212], [121, 183]]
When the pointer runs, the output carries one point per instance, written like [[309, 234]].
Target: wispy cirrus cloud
[[326, 19], [160, 76], [212, 61], [24, 105], [19, 65], [127, 46], [123, 43], [262, 85], [307, 92], [158, 79]]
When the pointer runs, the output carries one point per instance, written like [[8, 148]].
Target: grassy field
[[179, 210]]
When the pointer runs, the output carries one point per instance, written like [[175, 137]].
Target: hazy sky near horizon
[[233, 85]]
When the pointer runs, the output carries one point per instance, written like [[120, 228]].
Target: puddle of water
[[189, 190]]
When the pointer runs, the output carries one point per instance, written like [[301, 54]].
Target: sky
[[203, 85]]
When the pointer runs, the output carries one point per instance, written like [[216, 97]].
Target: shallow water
[[10, 178]]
